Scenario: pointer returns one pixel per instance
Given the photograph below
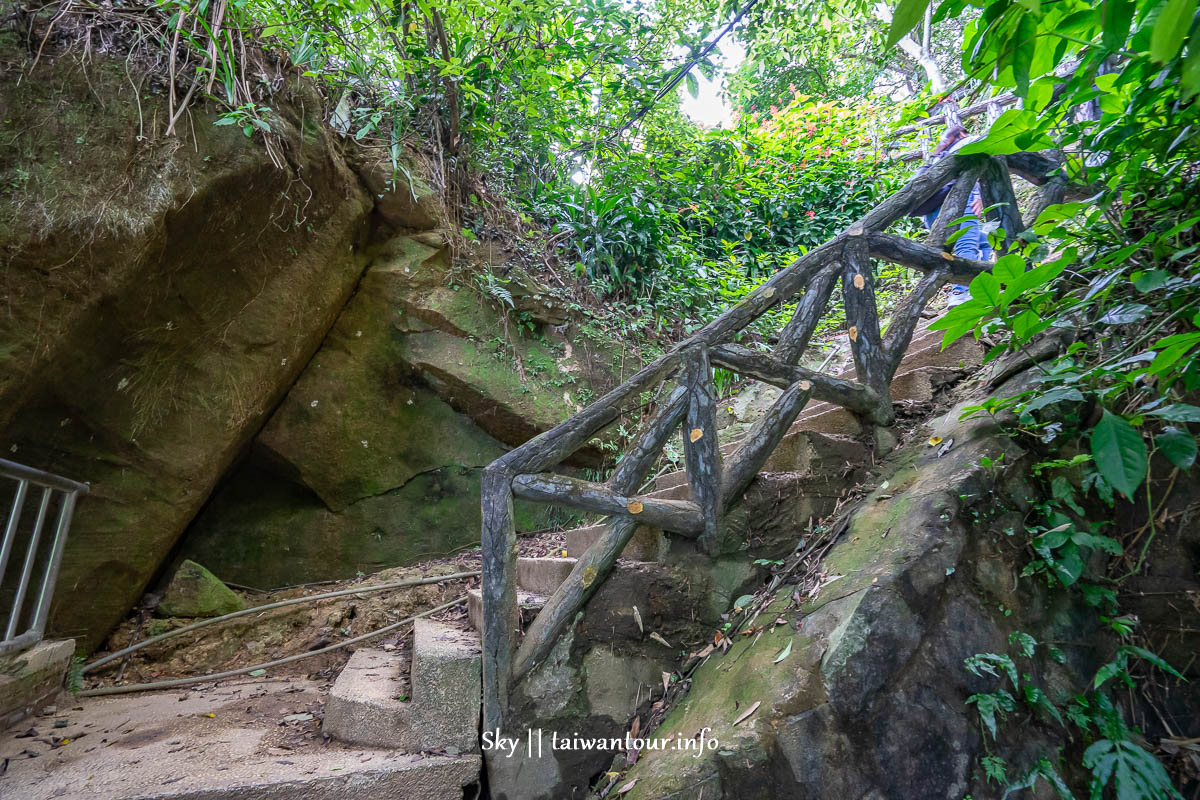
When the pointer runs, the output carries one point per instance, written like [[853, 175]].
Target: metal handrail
[[50, 484]]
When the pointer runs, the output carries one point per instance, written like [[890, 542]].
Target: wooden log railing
[[716, 484]]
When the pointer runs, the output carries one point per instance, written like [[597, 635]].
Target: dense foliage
[[706, 216], [1111, 87]]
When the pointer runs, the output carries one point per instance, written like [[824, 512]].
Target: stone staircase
[[443, 712], [365, 706], [423, 741]]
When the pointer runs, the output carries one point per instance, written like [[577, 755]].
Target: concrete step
[[671, 480], [528, 601], [647, 543], [920, 384], [218, 742], [543, 575], [442, 713]]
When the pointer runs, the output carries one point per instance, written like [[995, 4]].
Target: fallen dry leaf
[[659, 639], [748, 712], [625, 789]]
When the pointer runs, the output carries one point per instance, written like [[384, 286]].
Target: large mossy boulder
[[196, 592], [160, 297], [373, 459], [861, 692]]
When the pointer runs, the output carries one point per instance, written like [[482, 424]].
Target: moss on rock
[[196, 592]]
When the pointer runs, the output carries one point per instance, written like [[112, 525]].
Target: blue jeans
[[973, 243]]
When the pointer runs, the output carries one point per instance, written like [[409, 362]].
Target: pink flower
[[810, 214]]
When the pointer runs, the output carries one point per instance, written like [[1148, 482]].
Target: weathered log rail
[[717, 484]]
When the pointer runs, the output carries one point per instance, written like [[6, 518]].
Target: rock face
[[196, 592], [374, 457], [158, 299], [865, 696], [187, 315], [608, 666]]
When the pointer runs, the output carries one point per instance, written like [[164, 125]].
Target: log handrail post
[[862, 319], [701, 453], [597, 561], [501, 616]]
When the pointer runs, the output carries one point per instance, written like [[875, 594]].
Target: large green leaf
[[1014, 131], [908, 13], [1118, 15], [986, 288], [1024, 43], [1120, 453], [1171, 29], [1135, 773], [1178, 446], [1177, 412], [1190, 76]]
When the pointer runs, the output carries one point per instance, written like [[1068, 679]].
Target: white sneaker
[[957, 296]]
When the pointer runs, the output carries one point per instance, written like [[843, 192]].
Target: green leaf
[[1153, 658], [1109, 671], [986, 288], [908, 13], [785, 652], [1027, 324], [1190, 77], [1056, 395], [1009, 268], [1037, 698], [1118, 16], [1068, 565], [1024, 43], [1178, 446], [1177, 412], [1149, 281], [1026, 644], [1134, 772], [1125, 314], [1120, 453], [743, 601], [990, 706], [693, 85], [1171, 28], [1013, 131]]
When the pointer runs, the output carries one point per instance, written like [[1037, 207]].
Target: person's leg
[[967, 245]]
